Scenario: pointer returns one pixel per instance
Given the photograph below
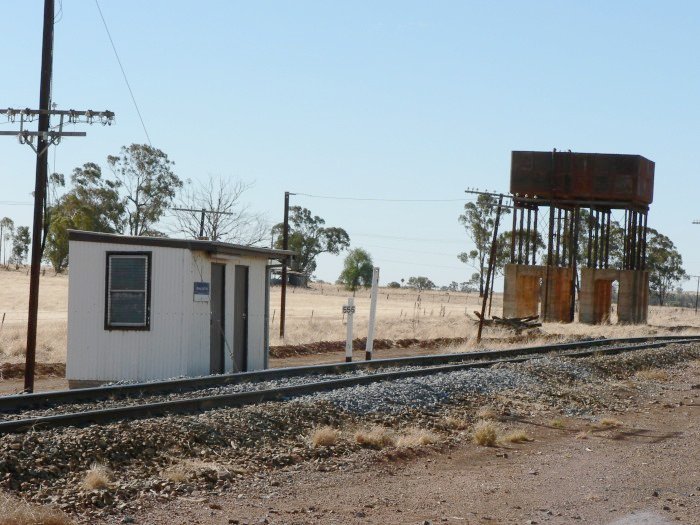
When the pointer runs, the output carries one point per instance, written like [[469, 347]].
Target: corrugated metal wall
[[178, 340]]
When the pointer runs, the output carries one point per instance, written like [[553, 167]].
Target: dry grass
[[51, 342], [99, 477], [177, 473], [325, 437], [653, 374], [517, 436], [417, 437], [485, 433], [181, 471], [400, 315], [557, 423], [487, 412], [609, 422], [16, 512], [377, 437], [455, 423]]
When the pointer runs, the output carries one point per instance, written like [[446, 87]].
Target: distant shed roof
[[214, 247]]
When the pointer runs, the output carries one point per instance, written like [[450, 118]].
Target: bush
[[485, 434]]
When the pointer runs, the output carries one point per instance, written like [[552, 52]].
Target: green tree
[[20, 245], [420, 283], [308, 238], [664, 263], [478, 220], [393, 284], [472, 285], [92, 204], [131, 202], [147, 186], [357, 270], [7, 228]]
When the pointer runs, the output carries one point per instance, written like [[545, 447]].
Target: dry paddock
[[315, 314]]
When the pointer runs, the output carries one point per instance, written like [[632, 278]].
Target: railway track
[[22, 413]]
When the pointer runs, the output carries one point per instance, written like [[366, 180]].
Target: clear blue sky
[[414, 100]]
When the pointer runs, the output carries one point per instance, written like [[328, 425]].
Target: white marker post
[[349, 309], [372, 314]]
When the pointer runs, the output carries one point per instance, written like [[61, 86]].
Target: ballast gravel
[[420, 392], [424, 392], [226, 447]]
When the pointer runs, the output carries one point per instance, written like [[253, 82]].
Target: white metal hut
[[145, 308]]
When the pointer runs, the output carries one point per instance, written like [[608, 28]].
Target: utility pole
[[45, 138], [491, 274], [203, 213], [491, 267], [285, 246]]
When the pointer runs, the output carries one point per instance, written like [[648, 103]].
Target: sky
[[415, 101]]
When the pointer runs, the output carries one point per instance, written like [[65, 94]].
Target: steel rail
[[15, 403], [284, 393]]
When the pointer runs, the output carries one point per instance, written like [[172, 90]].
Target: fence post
[[372, 314]]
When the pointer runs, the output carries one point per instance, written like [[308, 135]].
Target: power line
[[407, 238], [126, 80], [410, 263], [335, 197], [424, 252]]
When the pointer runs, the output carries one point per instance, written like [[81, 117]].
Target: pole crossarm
[[75, 116], [203, 211], [216, 212], [52, 137], [474, 191]]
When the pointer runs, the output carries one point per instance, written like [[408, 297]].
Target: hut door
[[240, 322], [216, 326]]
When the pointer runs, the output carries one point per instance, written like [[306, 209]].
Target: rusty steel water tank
[[601, 177]]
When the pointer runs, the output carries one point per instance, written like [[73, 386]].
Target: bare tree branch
[[233, 220]]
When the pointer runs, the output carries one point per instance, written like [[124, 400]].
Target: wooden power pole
[[44, 138], [285, 246], [491, 267]]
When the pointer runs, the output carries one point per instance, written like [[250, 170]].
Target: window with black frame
[[128, 291]]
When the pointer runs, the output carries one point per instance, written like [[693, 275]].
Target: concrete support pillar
[[558, 289], [510, 290], [587, 296], [602, 308], [633, 298], [596, 295], [521, 290], [525, 287]]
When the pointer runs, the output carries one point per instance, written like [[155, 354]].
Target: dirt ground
[[646, 471], [42, 384]]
